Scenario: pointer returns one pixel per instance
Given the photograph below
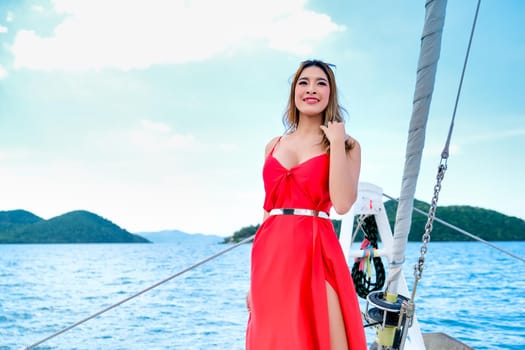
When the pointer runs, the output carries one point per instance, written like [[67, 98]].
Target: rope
[[445, 153], [362, 269], [358, 226], [466, 233], [140, 293]]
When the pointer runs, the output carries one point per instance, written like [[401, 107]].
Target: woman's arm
[[345, 167]]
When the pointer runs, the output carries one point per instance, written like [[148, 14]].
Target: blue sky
[[155, 114]]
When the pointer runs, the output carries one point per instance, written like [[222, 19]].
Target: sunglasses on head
[[315, 62]]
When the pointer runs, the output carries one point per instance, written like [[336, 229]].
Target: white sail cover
[[426, 71]]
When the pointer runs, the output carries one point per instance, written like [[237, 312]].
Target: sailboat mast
[[426, 72]]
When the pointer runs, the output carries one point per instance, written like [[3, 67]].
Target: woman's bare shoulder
[[270, 145]]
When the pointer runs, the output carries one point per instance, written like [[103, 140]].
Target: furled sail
[[426, 71]]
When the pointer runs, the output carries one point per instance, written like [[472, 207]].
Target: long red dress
[[292, 258]]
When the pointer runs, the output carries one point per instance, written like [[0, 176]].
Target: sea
[[170, 296]]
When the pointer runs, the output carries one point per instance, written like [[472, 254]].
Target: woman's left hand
[[334, 131]]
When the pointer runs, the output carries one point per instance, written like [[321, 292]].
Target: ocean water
[[469, 291]]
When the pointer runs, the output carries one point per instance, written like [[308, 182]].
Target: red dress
[[292, 258]]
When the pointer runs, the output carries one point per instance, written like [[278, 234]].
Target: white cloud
[[13, 154], [155, 203], [155, 126], [289, 34], [129, 35], [495, 135], [145, 177], [153, 139], [3, 72], [158, 137], [10, 17], [37, 8], [434, 151], [3, 29]]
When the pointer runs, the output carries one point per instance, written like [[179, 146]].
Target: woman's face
[[312, 91]]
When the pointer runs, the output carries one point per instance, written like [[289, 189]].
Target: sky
[[155, 114]]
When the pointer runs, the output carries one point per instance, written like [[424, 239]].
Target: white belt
[[307, 212]]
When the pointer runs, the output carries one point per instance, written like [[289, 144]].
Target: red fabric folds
[[293, 257]]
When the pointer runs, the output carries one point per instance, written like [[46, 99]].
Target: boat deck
[[441, 341]]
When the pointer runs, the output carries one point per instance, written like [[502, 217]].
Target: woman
[[301, 292]]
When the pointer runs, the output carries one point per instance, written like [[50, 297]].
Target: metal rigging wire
[[464, 232], [445, 153], [211, 257], [418, 268]]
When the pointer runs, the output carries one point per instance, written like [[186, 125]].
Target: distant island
[[80, 226], [487, 224], [21, 226], [180, 237]]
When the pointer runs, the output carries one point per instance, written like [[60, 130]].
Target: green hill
[[19, 226], [487, 224], [17, 218]]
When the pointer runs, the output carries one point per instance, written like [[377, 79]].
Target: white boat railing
[[370, 202]]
